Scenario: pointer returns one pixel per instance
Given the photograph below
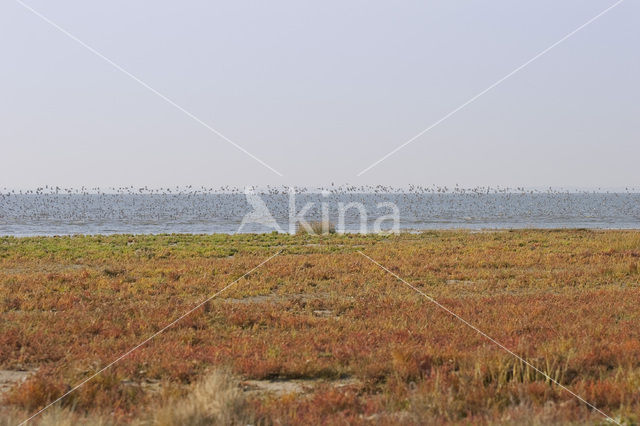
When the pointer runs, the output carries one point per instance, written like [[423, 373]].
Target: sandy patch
[[294, 386], [10, 378]]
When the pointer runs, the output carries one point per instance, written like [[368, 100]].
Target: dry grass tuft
[[215, 400], [55, 416]]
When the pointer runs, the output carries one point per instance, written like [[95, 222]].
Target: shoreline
[[402, 231]]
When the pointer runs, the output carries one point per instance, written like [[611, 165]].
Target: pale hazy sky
[[319, 91]]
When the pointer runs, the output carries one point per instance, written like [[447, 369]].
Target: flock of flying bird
[[54, 210], [332, 189]]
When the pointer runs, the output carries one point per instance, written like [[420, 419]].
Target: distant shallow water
[[68, 214]]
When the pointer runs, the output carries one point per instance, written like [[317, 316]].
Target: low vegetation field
[[320, 333]]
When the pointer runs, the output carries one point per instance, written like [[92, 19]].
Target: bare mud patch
[[294, 386], [11, 378], [150, 386]]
